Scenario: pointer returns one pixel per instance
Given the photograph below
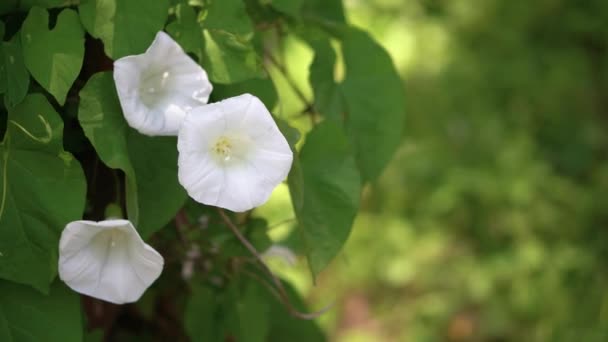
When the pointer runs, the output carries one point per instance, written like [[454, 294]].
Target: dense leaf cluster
[[67, 153]]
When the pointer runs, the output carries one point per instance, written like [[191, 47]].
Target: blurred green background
[[490, 224]]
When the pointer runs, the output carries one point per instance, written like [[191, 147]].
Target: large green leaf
[[328, 99], [7, 6], [373, 94], [28, 316], [42, 189], [369, 101], [53, 57], [126, 27], [13, 74], [199, 317], [153, 193], [325, 188]]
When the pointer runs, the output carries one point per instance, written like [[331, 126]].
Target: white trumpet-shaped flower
[[232, 154], [158, 87], [107, 260]]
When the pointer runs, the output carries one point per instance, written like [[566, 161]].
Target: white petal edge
[[247, 182], [161, 111], [107, 260]]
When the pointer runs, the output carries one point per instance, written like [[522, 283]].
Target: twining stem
[[310, 107], [277, 282]]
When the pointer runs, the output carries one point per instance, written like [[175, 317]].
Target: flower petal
[[107, 260], [158, 87], [253, 158]]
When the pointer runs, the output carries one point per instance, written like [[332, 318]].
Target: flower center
[[153, 87], [222, 149]]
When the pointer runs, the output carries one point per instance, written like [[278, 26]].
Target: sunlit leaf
[[325, 189]]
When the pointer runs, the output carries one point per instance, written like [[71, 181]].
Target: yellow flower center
[[223, 148]]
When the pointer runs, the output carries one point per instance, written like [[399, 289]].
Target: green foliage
[[343, 132], [126, 27], [55, 66], [28, 316], [14, 76], [150, 164], [36, 202], [325, 188]]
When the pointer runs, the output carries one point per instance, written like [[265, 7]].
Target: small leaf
[[54, 57], [325, 192], [153, 193], [126, 27], [27, 315], [13, 74], [42, 189]]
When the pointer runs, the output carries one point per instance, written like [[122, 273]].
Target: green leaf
[[373, 94], [327, 93], [7, 6], [54, 65], [325, 189], [199, 317], [246, 310], [230, 58], [159, 193], [230, 16], [126, 27], [291, 7], [43, 188], [284, 327], [14, 76], [186, 30], [263, 88], [327, 10], [28, 316], [153, 193]]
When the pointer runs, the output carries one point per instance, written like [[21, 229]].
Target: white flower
[[232, 154], [158, 87], [107, 260]]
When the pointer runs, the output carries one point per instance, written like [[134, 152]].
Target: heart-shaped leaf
[[53, 57]]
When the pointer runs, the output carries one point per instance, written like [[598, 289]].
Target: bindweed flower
[[232, 154], [107, 260], [158, 87]]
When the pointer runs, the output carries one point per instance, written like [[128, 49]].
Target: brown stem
[[310, 107], [277, 282]]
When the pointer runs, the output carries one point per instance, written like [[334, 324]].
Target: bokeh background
[[490, 224]]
